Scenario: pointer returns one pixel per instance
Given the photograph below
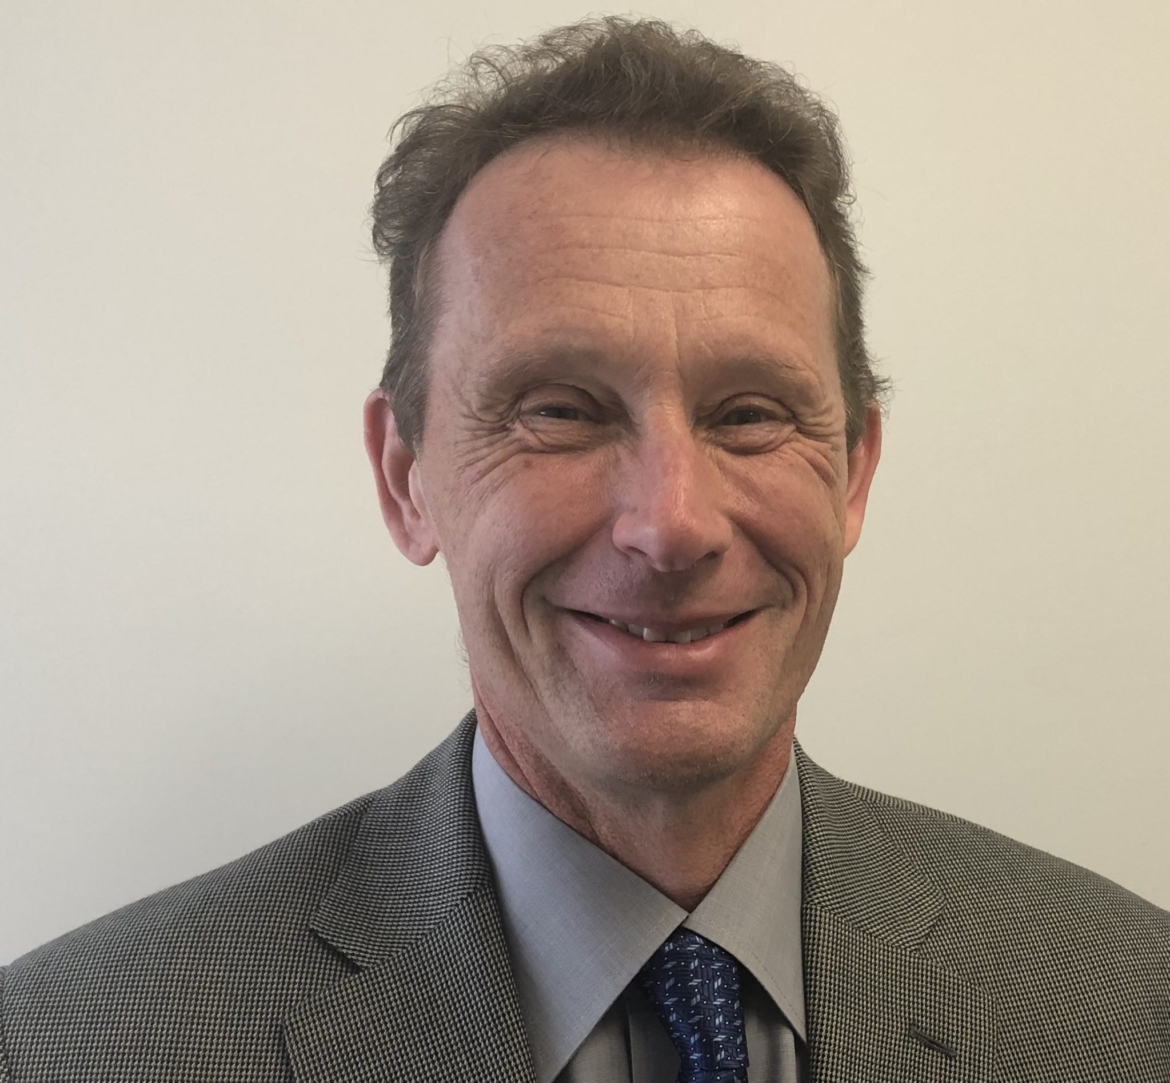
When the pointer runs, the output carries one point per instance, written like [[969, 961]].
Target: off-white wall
[[208, 637]]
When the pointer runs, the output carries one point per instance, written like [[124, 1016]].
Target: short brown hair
[[638, 80]]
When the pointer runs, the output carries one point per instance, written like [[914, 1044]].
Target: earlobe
[[396, 475]]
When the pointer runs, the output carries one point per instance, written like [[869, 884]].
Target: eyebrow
[[770, 370], [528, 364]]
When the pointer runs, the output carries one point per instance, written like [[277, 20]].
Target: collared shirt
[[580, 925]]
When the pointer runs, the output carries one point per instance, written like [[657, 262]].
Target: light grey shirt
[[580, 925]]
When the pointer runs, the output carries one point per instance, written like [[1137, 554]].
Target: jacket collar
[[433, 998], [879, 1009], [413, 908]]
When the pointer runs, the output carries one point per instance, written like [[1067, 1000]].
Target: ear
[[863, 461], [396, 473]]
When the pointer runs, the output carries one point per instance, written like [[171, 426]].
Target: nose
[[670, 512]]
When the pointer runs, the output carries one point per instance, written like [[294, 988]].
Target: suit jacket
[[367, 945]]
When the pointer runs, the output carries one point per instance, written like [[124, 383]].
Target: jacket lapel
[[432, 998], [414, 909], [878, 1009]]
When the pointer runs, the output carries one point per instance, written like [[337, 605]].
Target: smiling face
[[634, 416]]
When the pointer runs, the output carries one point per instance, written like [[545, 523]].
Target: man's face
[[635, 416]]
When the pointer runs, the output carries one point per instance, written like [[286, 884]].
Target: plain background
[[208, 637]]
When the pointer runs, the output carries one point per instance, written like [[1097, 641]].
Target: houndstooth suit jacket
[[367, 946]]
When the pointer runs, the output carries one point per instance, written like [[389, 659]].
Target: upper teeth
[[651, 636]]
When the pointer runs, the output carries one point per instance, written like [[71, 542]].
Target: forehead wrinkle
[[699, 270], [683, 234], [529, 202], [715, 270], [625, 283], [643, 250], [567, 325], [609, 332], [678, 220], [595, 265], [680, 233], [544, 242], [672, 219], [763, 268], [525, 241]]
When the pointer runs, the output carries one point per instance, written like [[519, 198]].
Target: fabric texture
[[693, 985], [579, 925], [630, 1045], [368, 945]]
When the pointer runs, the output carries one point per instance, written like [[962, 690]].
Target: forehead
[[583, 240]]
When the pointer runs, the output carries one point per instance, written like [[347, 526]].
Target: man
[[628, 400]]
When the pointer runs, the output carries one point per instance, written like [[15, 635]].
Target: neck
[[679, 841]]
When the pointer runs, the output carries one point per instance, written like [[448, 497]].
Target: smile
[[652, 635]]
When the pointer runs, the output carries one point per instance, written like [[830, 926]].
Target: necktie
[[694, 987]]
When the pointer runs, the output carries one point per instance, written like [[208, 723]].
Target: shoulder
[[288, 874], [232, 946], [227, 952], [990, 877], [1034, 929], [979, 870]]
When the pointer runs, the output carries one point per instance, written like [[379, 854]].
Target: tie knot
[[693, 985]]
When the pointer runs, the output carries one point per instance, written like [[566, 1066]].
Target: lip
[[616, 648]]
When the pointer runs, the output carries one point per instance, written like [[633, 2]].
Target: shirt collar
[[753, 909], [580, 925]]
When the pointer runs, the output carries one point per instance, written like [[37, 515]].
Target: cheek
[[531, 517], [789, 516]]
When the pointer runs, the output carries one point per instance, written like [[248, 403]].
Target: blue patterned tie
[[694, 986]]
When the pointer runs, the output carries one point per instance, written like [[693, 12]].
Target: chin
[[675, 763], [679, 775]]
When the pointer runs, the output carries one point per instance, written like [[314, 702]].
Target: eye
[[561, 419], [566, 422], [563, 404], [752, 413], [747, 415], [750, 427], [559, 412]]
